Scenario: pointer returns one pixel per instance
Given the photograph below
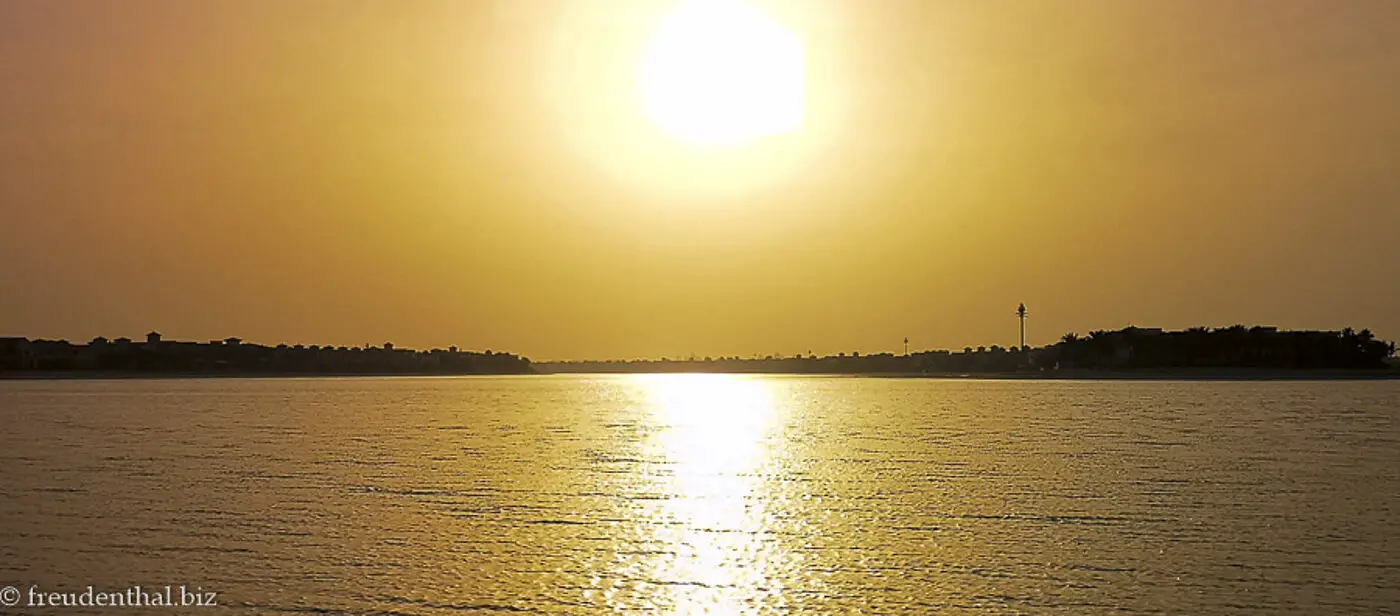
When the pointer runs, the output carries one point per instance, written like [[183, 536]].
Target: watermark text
[[91, 596]]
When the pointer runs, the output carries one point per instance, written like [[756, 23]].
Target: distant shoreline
[[1170, 375], [106, 375], [1143, 374], [1062, 375]]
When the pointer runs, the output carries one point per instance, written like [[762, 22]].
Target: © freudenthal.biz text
[[134, 596]]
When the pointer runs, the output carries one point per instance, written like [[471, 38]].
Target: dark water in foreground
[[689, 494]]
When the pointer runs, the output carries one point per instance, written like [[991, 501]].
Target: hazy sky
[[475, 173]]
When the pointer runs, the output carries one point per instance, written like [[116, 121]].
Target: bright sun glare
[[722, 73], [715, 440]]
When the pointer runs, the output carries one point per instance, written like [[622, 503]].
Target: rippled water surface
[[693, 494]]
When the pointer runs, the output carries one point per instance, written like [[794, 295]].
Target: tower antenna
[[1021, 314]]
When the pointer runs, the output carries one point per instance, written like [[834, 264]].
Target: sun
[[723, 73]]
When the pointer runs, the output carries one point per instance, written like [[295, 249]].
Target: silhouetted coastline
[[1232, 353], [231, 357]]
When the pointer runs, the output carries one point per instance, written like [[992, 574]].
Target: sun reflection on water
[[715, 436]]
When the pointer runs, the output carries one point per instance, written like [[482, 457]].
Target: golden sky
[[483, 174]]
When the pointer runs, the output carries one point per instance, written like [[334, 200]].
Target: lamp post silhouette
[[1021, 314]]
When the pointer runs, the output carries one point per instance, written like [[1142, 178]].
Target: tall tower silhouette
[[1021, 314]]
